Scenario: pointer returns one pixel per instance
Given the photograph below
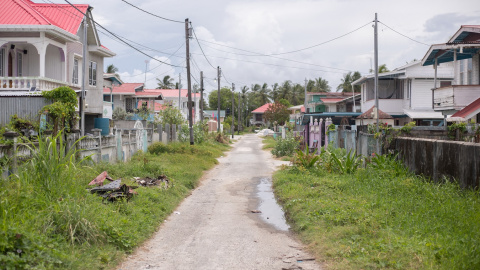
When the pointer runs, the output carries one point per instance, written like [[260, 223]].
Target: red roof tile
[[25, 12], [469, 111], [262, 108], [158, 106], [171, 92]]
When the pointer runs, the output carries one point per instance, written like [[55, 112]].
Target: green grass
[[268, 143], [381, 218], [49, 221]]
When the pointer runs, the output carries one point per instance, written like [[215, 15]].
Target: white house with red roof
[[463, 51], [319, 102], [259, 115], [41, 49]]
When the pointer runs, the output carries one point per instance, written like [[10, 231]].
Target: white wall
[[54, 67]]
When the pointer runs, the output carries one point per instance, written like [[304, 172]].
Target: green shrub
[[285, 147], [307, 160]]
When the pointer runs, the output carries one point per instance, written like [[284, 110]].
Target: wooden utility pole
[[189, 81], [201, 96], [233, 109], [375, 62], [218, 100], [305, 98], [239, 112]]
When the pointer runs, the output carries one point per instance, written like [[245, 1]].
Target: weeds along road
[[214, 228]]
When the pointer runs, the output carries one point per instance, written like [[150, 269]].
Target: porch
[[455, 97]]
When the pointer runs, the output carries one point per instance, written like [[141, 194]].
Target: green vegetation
[[379, 216], [62, 110], [48, 220]]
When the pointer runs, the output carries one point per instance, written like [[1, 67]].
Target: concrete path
[[214, 228]]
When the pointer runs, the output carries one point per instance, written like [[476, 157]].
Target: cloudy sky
[[238, 34]]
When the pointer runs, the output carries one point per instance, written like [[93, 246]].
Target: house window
[[409, 88], [19, 64], [2, 59], [92, 74], [462, 71], [75, 71], [469, 71]]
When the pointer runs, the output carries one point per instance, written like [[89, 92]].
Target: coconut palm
[[264, 94], [348, 78], [321, 85], [166, 83], [111, 69], [381, 69]]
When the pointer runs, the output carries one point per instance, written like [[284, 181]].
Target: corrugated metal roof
[[63, 15], [126, 88], [331, 100], [469, 111], [423, 114], [24, 12], [262, 108], [171, 92]]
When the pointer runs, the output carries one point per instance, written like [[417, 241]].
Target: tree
[[112, 69], [170, 115], [321, 85], [166, 83], [277, 112], [381, 69], [225, 99], [264, 94], [347, 80]]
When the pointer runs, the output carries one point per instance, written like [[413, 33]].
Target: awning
[[423, 114]]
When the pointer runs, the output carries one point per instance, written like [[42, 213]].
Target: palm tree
[[275, 92], [112, 69], [321, 85], [381, 69], [166, 83], [285, 90], [347, 80], [242, 103], [264, 94]]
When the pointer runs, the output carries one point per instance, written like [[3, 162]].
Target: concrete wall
[[439, 159]]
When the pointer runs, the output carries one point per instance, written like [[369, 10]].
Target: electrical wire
[[259, 54], [195, 35], [160, 17], [128, 44], [404, 35]]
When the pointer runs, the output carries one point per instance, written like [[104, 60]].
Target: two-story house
[[319, 102], [41, 48], [462, 51], [405, 93]]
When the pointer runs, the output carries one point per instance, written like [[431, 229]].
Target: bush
[[120, 114], [285, 147], [199, 133]]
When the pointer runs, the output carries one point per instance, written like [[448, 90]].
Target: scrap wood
[[100, 178], [114, 191]]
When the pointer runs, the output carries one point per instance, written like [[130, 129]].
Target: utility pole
[[145, 81], [219, 71], [179, 90], [375, 62], [305, 98], [233, 108], [189, 81], [84, 67], [239, 112], [201, 96]]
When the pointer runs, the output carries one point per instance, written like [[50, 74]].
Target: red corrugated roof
[[158, 106], [25, 12], [471, 110], [368, 114], [126, 88], [262, 108]]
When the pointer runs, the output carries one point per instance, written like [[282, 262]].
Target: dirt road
[[215, 228]]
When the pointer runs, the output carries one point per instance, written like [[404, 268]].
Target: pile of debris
[[161, 180], [112, 191]]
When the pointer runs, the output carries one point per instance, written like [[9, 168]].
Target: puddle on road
[[271, 212]]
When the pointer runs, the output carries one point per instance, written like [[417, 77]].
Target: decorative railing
[[29, 83]]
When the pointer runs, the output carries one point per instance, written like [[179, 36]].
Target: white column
[[455, 67]]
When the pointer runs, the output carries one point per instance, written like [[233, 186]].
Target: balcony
[[27, 83], [455, 97]]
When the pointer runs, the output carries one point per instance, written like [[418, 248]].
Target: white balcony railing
[[455, 97], [26, 83]]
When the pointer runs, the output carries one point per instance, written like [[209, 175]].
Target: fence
[[120, 146]]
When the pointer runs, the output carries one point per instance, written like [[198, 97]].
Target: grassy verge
[[49, 220], [268, 142], [381, 217]]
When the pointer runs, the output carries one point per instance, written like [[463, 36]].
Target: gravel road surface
[[219, 225]]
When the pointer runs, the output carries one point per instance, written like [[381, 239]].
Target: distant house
[[319, 102], [461, 51], [369, 118], [172, 96], [296, 113], [41, 49], [123, 95], [258, 115], [212, 115], [405, 93]]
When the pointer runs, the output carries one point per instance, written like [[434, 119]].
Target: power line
[[404, 35], [259, 54], [193, 30], [160, 17], [128, 44]]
